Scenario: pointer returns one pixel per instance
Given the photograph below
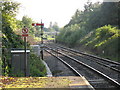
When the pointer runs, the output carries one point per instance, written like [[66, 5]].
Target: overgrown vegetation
[[11, 38], [103, 42], [94, 29], [37, 69]]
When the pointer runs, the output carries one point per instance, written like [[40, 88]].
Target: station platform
[[62, 83]]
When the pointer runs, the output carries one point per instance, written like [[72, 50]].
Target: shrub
[[37, 68]]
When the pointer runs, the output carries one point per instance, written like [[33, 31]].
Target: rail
[[117, 84]]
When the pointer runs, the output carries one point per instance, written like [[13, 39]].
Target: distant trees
[[109, 13], [53, 27], [84, 24], [94, 16], [28, 23]]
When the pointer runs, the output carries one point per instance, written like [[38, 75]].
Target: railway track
[[74, 71], [100, 65], [105, 62], [95, 77], [110, 68]]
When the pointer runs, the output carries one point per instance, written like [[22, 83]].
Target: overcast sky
[[59, 11]]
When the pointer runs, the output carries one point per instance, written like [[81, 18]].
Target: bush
[[103, 39], [37, 68]]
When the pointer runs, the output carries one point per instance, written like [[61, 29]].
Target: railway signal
[[42, 25], [38, 24]]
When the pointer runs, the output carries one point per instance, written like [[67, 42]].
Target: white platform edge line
[[49, 74], [89, 86]]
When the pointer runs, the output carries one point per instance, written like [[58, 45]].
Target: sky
[[59, 11]]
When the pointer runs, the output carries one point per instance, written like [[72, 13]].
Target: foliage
[[34, 32], [70, 35], [78, 25], [28, 23], [53, 27], [109, 13], [17, 74], [37, 69], [95, 27], [9, 38], [104, 39]]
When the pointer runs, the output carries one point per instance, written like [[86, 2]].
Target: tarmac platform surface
[[46, 82]]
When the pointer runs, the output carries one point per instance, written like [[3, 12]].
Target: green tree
[[9, 11], [9, 38], [83, 25], [28, 23], [109, 13], [55, 26]]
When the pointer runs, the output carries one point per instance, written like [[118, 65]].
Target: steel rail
[[107, 60], [68, 65], [117, 70], [117, 84]]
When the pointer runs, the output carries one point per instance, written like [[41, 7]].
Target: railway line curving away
[[96, 70]]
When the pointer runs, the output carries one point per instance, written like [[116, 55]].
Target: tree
[[109, 13], [55, 26], [28, 23], [76, 18], [93, 16], [9, 11], [83, 26], [9, 38]]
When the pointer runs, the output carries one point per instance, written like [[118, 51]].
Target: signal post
[[25, 34], [42, 25]]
